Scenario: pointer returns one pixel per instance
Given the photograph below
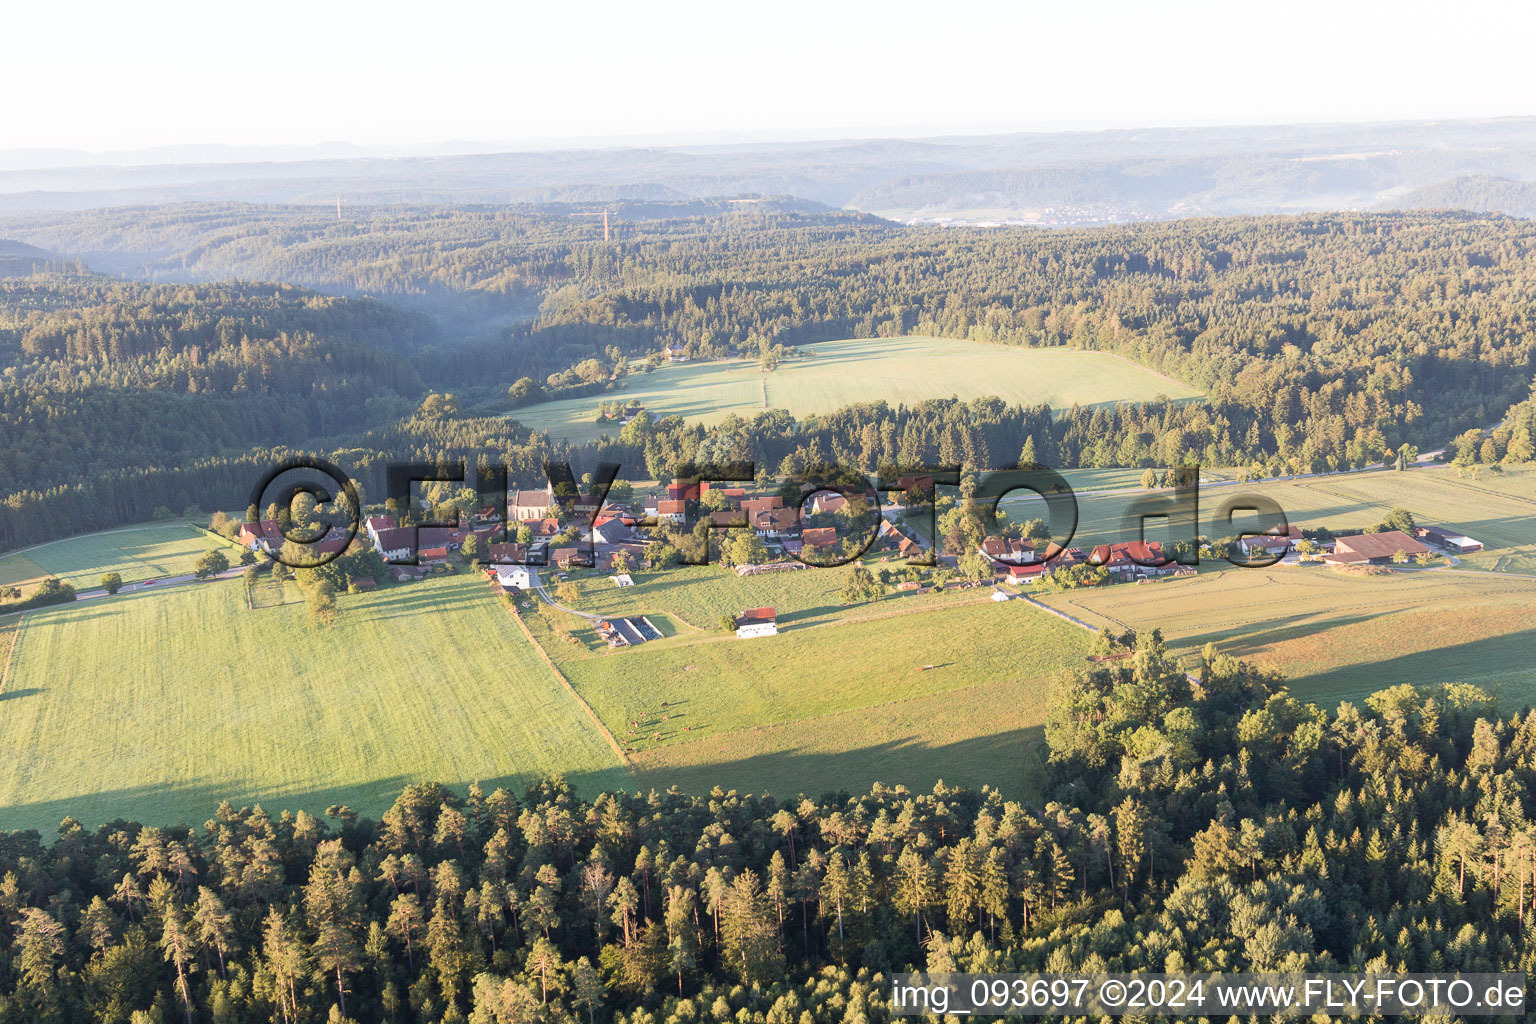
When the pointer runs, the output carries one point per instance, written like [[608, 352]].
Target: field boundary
[[580, 700], [5, 673]]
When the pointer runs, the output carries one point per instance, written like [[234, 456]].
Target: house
[[1022, 574], [1373, 548], [518, 576], [507, 553], [775, 523], [905, 546], [1272, 542], [819, 538], [526, 505], [1132, 558], [674, 354], [267, 536], [437, 554], [374, 524], [395, 543], [826, 501], [613, 531], [677, 491], [1455, 543], [1008, 549], [756, 622], [753, 507], [672, 510]]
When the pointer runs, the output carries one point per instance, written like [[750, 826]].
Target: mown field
[[161, 705], [136, 552], [1339, 635], [893, 370], [842, 693]]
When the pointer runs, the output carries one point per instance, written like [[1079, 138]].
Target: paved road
[[543, 592], [163, 582]]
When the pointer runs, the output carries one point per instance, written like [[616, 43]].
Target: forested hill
[[1322, 341], [105, 376], [1480, 192], [1240, 830]]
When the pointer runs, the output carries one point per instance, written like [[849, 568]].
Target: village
[[561, 534]]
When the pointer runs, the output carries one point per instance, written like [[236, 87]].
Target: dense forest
[[1232, 827], [1322, 341]]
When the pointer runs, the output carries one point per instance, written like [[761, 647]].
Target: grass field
[[893, 370], [1499, 510], [159, 706], [1339, 636], [988, 735], [839, 688], [137, 552]]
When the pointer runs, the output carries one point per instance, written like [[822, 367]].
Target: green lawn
[[161, 705], [137, 552], [893, 370]]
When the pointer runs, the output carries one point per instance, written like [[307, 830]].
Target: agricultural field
[[138, 553], [1497, 509], [159, 706], [1339, 635], [893, 370], [875, 691]]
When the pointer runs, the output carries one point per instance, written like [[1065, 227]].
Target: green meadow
[[892, 370], [160, 705]]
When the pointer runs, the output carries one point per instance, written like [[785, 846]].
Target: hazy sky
[[105, 76]]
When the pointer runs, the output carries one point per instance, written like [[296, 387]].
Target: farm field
[[159, 706], [838, 682], [137, 552], [988, 735], [893, 370], [1499, 510], [1339, 636]]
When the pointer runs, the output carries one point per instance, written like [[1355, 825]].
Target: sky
[[114, 76]]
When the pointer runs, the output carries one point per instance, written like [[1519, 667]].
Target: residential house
[[518, 576], [819, 538], [1008, 550], [1132, 558]]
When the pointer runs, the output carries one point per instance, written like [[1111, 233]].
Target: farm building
[[1451, 541], [1373, 548], [756, 622], [1021, 573]]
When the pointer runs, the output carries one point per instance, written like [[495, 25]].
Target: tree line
[[1219, 824]]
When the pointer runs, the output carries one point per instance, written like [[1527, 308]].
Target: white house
[[514, 576]]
